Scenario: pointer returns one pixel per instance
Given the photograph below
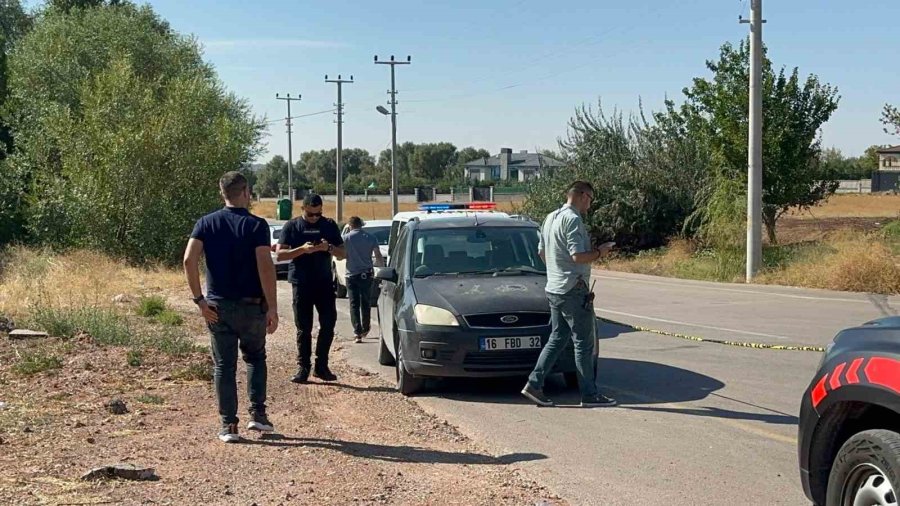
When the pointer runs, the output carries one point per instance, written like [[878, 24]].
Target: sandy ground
[[356, 441]]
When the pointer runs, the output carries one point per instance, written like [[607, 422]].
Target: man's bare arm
[[592, 256], [379, 259], [586, 257], [191, 262], [282, 252]]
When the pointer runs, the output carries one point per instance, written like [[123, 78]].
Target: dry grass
[[372, 210], [853, 262], [30, 277], [856, 206], [654, 262], [846, 260]]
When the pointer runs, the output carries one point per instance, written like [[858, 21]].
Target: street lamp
[[382, 110]]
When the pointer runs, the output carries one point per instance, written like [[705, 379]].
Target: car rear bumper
[[457, 353]]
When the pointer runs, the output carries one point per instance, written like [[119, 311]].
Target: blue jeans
[[572, 317], [241, 326]]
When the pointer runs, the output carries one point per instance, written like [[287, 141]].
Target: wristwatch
[[198, 299]]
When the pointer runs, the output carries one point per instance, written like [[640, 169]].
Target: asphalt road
[[698, 423]]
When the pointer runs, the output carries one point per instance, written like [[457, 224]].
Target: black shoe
[[260, 422], [324, 373], [302, 375], [597, 401], [229, 433], [536, 396]]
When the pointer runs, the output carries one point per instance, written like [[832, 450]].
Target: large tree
[[404, 158], [890, 116], [271, 179], [69, 5], [121, 131], [466, 155], [431, 161], [794, 110], [646, 174]]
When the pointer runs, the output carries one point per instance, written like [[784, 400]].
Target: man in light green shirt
[[566, 248]]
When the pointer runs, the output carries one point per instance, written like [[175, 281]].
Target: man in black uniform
[[309, 241], [240, 305]]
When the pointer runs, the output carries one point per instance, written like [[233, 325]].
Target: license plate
[[509, 343]]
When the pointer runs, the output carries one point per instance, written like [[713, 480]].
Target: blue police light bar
[[470, 206]]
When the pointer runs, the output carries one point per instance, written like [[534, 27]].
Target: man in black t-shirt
[[240, 305], [310, 241]]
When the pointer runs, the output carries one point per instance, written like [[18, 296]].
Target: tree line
[[114, 129], [428, 164]]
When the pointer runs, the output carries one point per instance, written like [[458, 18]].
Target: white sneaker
[[229, 433]]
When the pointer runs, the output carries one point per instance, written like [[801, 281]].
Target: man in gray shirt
[[360, 247], [566, 248]]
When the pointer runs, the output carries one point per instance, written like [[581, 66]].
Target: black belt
[[251, 300], [364, 275]]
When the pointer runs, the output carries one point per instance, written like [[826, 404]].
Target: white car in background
[[381, 230], [281, 268]]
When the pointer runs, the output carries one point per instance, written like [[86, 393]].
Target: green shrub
[[34, 362], [150, 399], [195, 372], [134, 358], [891, 229], [170, 317], [151, 306], [105, 326]]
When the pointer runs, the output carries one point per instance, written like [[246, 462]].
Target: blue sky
[[509, 73]]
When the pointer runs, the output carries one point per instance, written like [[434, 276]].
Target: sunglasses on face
[[314, 215]]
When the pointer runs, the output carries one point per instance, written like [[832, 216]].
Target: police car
[[463, 296], [849, 439]]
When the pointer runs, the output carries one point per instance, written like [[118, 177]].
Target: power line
[[301, 116]]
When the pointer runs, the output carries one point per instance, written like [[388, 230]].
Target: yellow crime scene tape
[[740, 344]]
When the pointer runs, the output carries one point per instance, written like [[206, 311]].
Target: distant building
[[887, 177], [508, 166]]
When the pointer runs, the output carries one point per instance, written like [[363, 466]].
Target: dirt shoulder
[[353, 442]]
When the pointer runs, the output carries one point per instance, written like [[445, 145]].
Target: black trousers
[[321, 298], [359, 291]]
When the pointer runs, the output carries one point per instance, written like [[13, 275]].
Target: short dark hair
[[312, 200], [356, 222], [232, 184], [579, 187]]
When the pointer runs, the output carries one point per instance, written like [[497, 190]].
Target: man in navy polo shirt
[[309, 241], [240, 304]]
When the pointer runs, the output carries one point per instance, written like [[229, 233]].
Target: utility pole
[[395, 207], [287, 120], [340, 141], [754, 151]]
